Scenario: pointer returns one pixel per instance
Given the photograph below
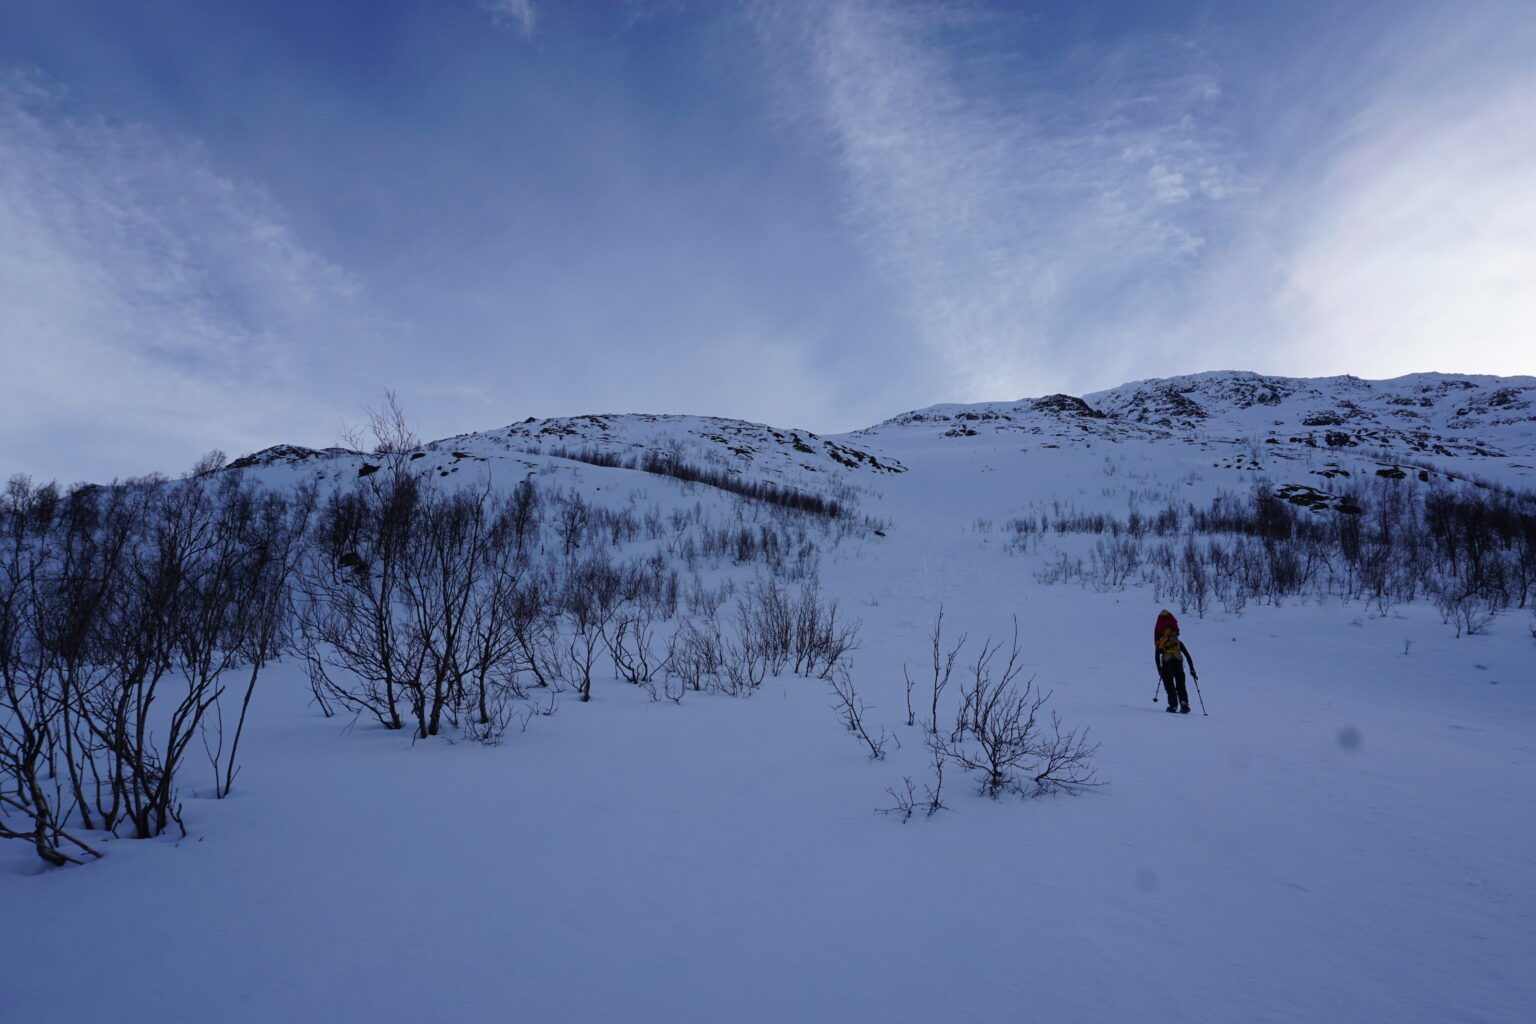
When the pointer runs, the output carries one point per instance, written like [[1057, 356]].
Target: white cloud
[[1396, 236], [1026, 214], [150, 308], [1416, 251], [1080, 221], [520, 14]]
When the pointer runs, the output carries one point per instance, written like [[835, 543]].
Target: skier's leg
[[1178, 673], [1166, 672]]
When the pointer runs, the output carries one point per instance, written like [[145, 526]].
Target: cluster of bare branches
[[772, 632], [907, 801], [411, 603], [851, 709], [125, 612], [442, 608], [1000, 733], [1469, 550], [943, 662], [801, 631], [394, 439]]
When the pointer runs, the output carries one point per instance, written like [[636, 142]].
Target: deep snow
[[1346, 837]]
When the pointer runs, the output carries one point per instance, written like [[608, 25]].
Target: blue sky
[[229, 223]]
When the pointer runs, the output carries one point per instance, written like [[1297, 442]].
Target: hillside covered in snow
[[643, 717]]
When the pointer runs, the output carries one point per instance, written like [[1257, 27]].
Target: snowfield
[[1346, 836]]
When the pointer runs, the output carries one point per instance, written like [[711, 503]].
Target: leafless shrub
[[1064, 569], [803, 632], [999, 733], [274, 535], [496, 710], [1467, 612], [769, 614], [306, 647], [47, 837], [943, 667], [590, 599], [911, 713], [851, 709], [693, 655], [673, 689], [523, 517], [935, 793], [354, 628], [416, 600], [537, 709], [389, 430], [702, 655], [705, 601], [744, 662], [821, 641], [631, 642], [535, 633], [572, 516], [1114, 561], [906, 800], [123, 610], [210, 461]]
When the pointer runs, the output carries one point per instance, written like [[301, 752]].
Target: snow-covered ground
[[1346, 836]]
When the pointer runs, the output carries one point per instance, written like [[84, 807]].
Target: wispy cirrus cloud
[[1032, 214], [150, 308], [519, 14], [1074, 217]]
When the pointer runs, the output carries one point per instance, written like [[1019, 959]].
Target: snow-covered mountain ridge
[[753, 446], [1429, 413], [1202, 438], [1440, 413], [1485, 410], [754, 449]]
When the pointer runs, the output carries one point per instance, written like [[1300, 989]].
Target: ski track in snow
[[722, 860]]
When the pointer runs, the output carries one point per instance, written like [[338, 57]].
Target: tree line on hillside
[[671, 465], [1470, 550]]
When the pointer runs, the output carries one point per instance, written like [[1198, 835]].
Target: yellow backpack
[[1168, 645]]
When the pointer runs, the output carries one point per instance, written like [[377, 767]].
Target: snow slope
[[1345, 837]]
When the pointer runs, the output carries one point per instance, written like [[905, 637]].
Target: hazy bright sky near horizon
[[231, 223]]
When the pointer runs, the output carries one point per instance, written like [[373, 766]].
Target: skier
[[1169, 653]]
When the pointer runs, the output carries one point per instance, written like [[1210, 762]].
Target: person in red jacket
[[1169, 653]]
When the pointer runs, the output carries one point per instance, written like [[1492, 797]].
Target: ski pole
[[1196, 680], [1157, 688]]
